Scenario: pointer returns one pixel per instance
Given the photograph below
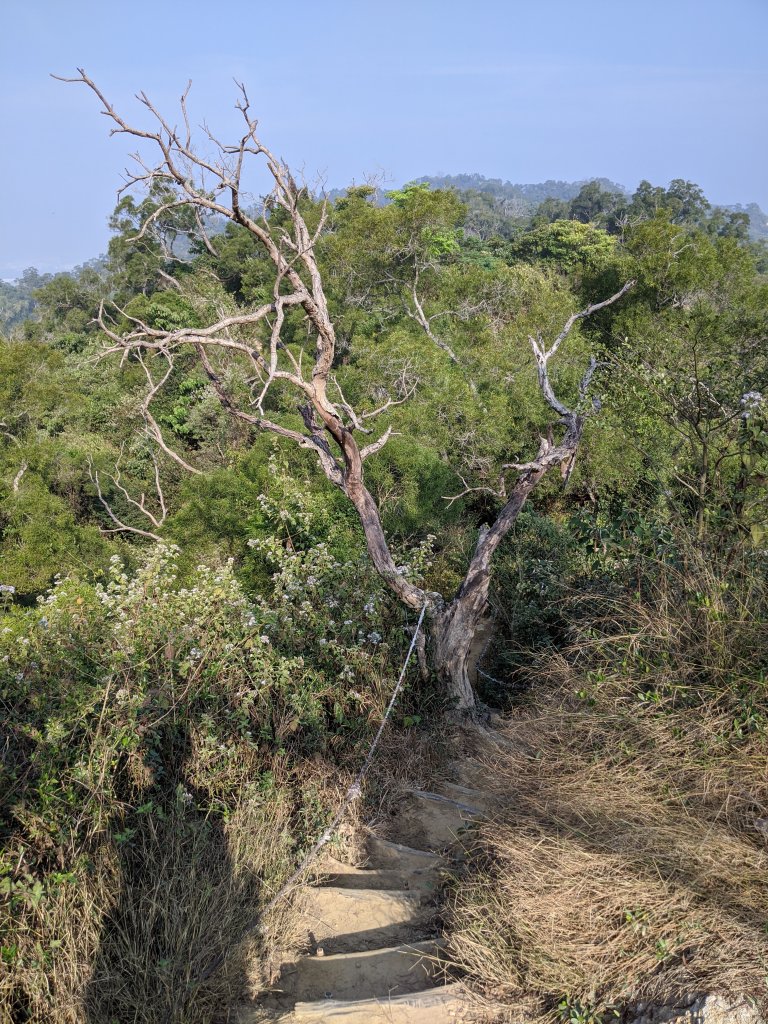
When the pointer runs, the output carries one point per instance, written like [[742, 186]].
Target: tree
[[256, 368], [593, 204], [696, 369], [550, 210], [388, 257], [687, 202], [17, 302], [566, 244], [647, 201], [141, 267], [69, 302]]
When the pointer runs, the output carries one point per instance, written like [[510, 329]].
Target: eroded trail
[[373, 951]]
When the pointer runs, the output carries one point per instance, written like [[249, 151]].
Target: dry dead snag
[[156, 518], [213, 186]]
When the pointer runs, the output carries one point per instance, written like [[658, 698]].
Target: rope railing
[[353, 793]]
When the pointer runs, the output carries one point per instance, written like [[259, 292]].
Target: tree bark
[[329, 426], [451, 632], [453, 627]]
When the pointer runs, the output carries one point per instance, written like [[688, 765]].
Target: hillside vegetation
[[196, 647]]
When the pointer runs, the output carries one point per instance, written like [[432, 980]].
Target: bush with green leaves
[[158, 711]]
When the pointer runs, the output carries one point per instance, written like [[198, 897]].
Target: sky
[[345, 90]]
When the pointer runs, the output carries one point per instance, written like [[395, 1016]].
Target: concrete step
[[375, 973], [466, 795], [335, 873], [445, 1005], [387, 855], [433, 822], [341, 920]]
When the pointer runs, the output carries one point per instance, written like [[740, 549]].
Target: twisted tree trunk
[[187, 177], [453, 627]]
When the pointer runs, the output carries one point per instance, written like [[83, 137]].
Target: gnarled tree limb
[[212, 186]]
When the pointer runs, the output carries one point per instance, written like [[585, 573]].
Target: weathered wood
[[201, 183]]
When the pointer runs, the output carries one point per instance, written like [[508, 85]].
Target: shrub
[[154, 775]]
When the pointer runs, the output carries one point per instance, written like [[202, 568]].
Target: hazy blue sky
[[518, 90]]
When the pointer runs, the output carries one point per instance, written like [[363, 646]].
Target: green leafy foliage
[[160, 695], [568, 245], [159, 729]]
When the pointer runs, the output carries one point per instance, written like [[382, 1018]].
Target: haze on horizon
[[518, 91]]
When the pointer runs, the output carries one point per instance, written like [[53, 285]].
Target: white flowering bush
[[153, 712], [329, 608], [159, 707], [139, 651]]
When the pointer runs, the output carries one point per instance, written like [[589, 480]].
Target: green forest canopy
[[691, 330], [259, 607]]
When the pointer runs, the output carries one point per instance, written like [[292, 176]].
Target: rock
[[703, 1009]]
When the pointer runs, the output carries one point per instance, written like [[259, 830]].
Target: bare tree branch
[[550, 454], [6, 433], [153, 427], [468, 489], [213, 186], [424, 321], [376, 446], [543, 354], [156, 520], [19, 476]]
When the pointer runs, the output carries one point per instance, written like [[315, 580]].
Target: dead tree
[[213, 186], [140, 504]]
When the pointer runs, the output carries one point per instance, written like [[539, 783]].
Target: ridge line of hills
[[503, 200]]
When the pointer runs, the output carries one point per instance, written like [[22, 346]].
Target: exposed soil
[[370, 934]]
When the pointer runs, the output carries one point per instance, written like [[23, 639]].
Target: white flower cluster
[[751, 401]]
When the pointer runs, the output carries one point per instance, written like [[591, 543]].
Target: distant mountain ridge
[[505, 199], [516, 199], [758, 219]]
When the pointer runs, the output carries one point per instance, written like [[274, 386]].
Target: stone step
[[335, 873], [375, 973], [387, 855], [433, 822], [445, 1005], [466, 795], [340, 920], [447, 802]]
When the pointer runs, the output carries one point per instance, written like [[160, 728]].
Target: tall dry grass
[[131, 937], [628, 859]]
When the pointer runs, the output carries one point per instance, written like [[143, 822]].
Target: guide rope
[[353, 793]]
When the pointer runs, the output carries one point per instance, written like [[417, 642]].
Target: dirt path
[[373, 945]]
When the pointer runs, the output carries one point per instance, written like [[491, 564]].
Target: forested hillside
[[235, 464], [494, 207], [17, 302], [579, 200]]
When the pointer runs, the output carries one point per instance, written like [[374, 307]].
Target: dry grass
[[628, 860], [415, 758], [135, 934], [130, 938], [160, 928]]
